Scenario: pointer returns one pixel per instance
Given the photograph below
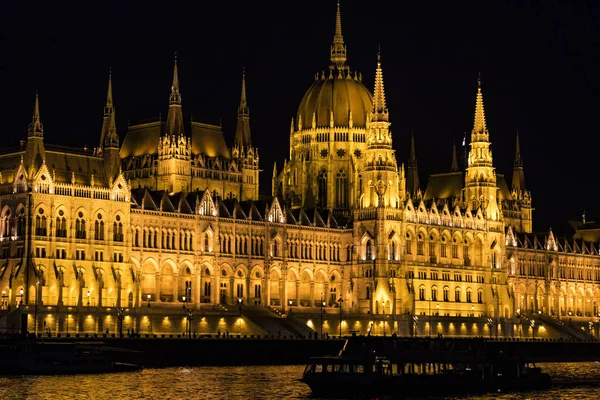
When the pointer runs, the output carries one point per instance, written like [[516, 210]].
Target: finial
[[378, 54], [479, 81]]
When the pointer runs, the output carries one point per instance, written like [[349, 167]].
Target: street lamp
[[88, 297], [415, 324], [120, 318], [4, 302], [37, 294], [21, 301], [490, 323], [290, 304], [148, 297], [533, 328], [322, 304], [591, 325], [183, 306], [340, 301], [190, 317]]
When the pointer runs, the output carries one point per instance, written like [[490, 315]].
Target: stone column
[[298, 293], [312, 294]]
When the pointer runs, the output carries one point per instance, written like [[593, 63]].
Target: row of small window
[[446, 295], [6, 252], [41, 229], [61, 253], [432, 249], [434, 275]]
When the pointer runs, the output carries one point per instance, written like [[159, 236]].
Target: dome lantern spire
[[338, 48]]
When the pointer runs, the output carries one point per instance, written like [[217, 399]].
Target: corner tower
[[480, 179], [109, 139], [174, 147], [328, 135]]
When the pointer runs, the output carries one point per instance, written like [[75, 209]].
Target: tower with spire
[[34, 150], [174, 147], [109, 139], [480, 179], [522, 221], [383, 188], [243, 152]]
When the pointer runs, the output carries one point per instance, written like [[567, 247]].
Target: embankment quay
[[171, 350]]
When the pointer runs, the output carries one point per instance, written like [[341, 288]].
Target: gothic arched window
[[341, 189], [322, 186]]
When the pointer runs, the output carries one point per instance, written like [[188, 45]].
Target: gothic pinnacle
[[454, 167], [175, 97], [380, 111], [479, 126], [35, 127], [518, 159], [108, 108]]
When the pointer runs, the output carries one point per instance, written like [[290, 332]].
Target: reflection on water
[[250, 382]]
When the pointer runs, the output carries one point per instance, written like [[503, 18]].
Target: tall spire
[[380, 111], [454, 167], [242, 131], [518, 181], [175, 97], [35, 127], [109, 136], [479, 126], [518, 159], [412, 169], [174, 124], [412, 159], [338, 48]]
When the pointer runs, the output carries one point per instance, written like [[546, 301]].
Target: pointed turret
[[242, 131], [338, 48], [518, 180], [109, 136], [412, 170], [35, 127], [454, 167], [480, 178], [380, 111], [174, 124], [34, 150]]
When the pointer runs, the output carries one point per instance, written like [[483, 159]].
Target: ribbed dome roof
[[339, 92]]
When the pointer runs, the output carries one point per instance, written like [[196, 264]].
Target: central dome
[[339, 92]]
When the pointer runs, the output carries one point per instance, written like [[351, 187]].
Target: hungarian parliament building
[[169, 214]]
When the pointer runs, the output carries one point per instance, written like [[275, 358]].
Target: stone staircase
[[568, 330], [274, 324]]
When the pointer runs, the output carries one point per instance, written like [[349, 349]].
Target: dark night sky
[[539, 62]]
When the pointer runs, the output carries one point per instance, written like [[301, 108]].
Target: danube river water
[[239, 383]]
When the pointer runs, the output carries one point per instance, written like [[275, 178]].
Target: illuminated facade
[[172, 216]]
